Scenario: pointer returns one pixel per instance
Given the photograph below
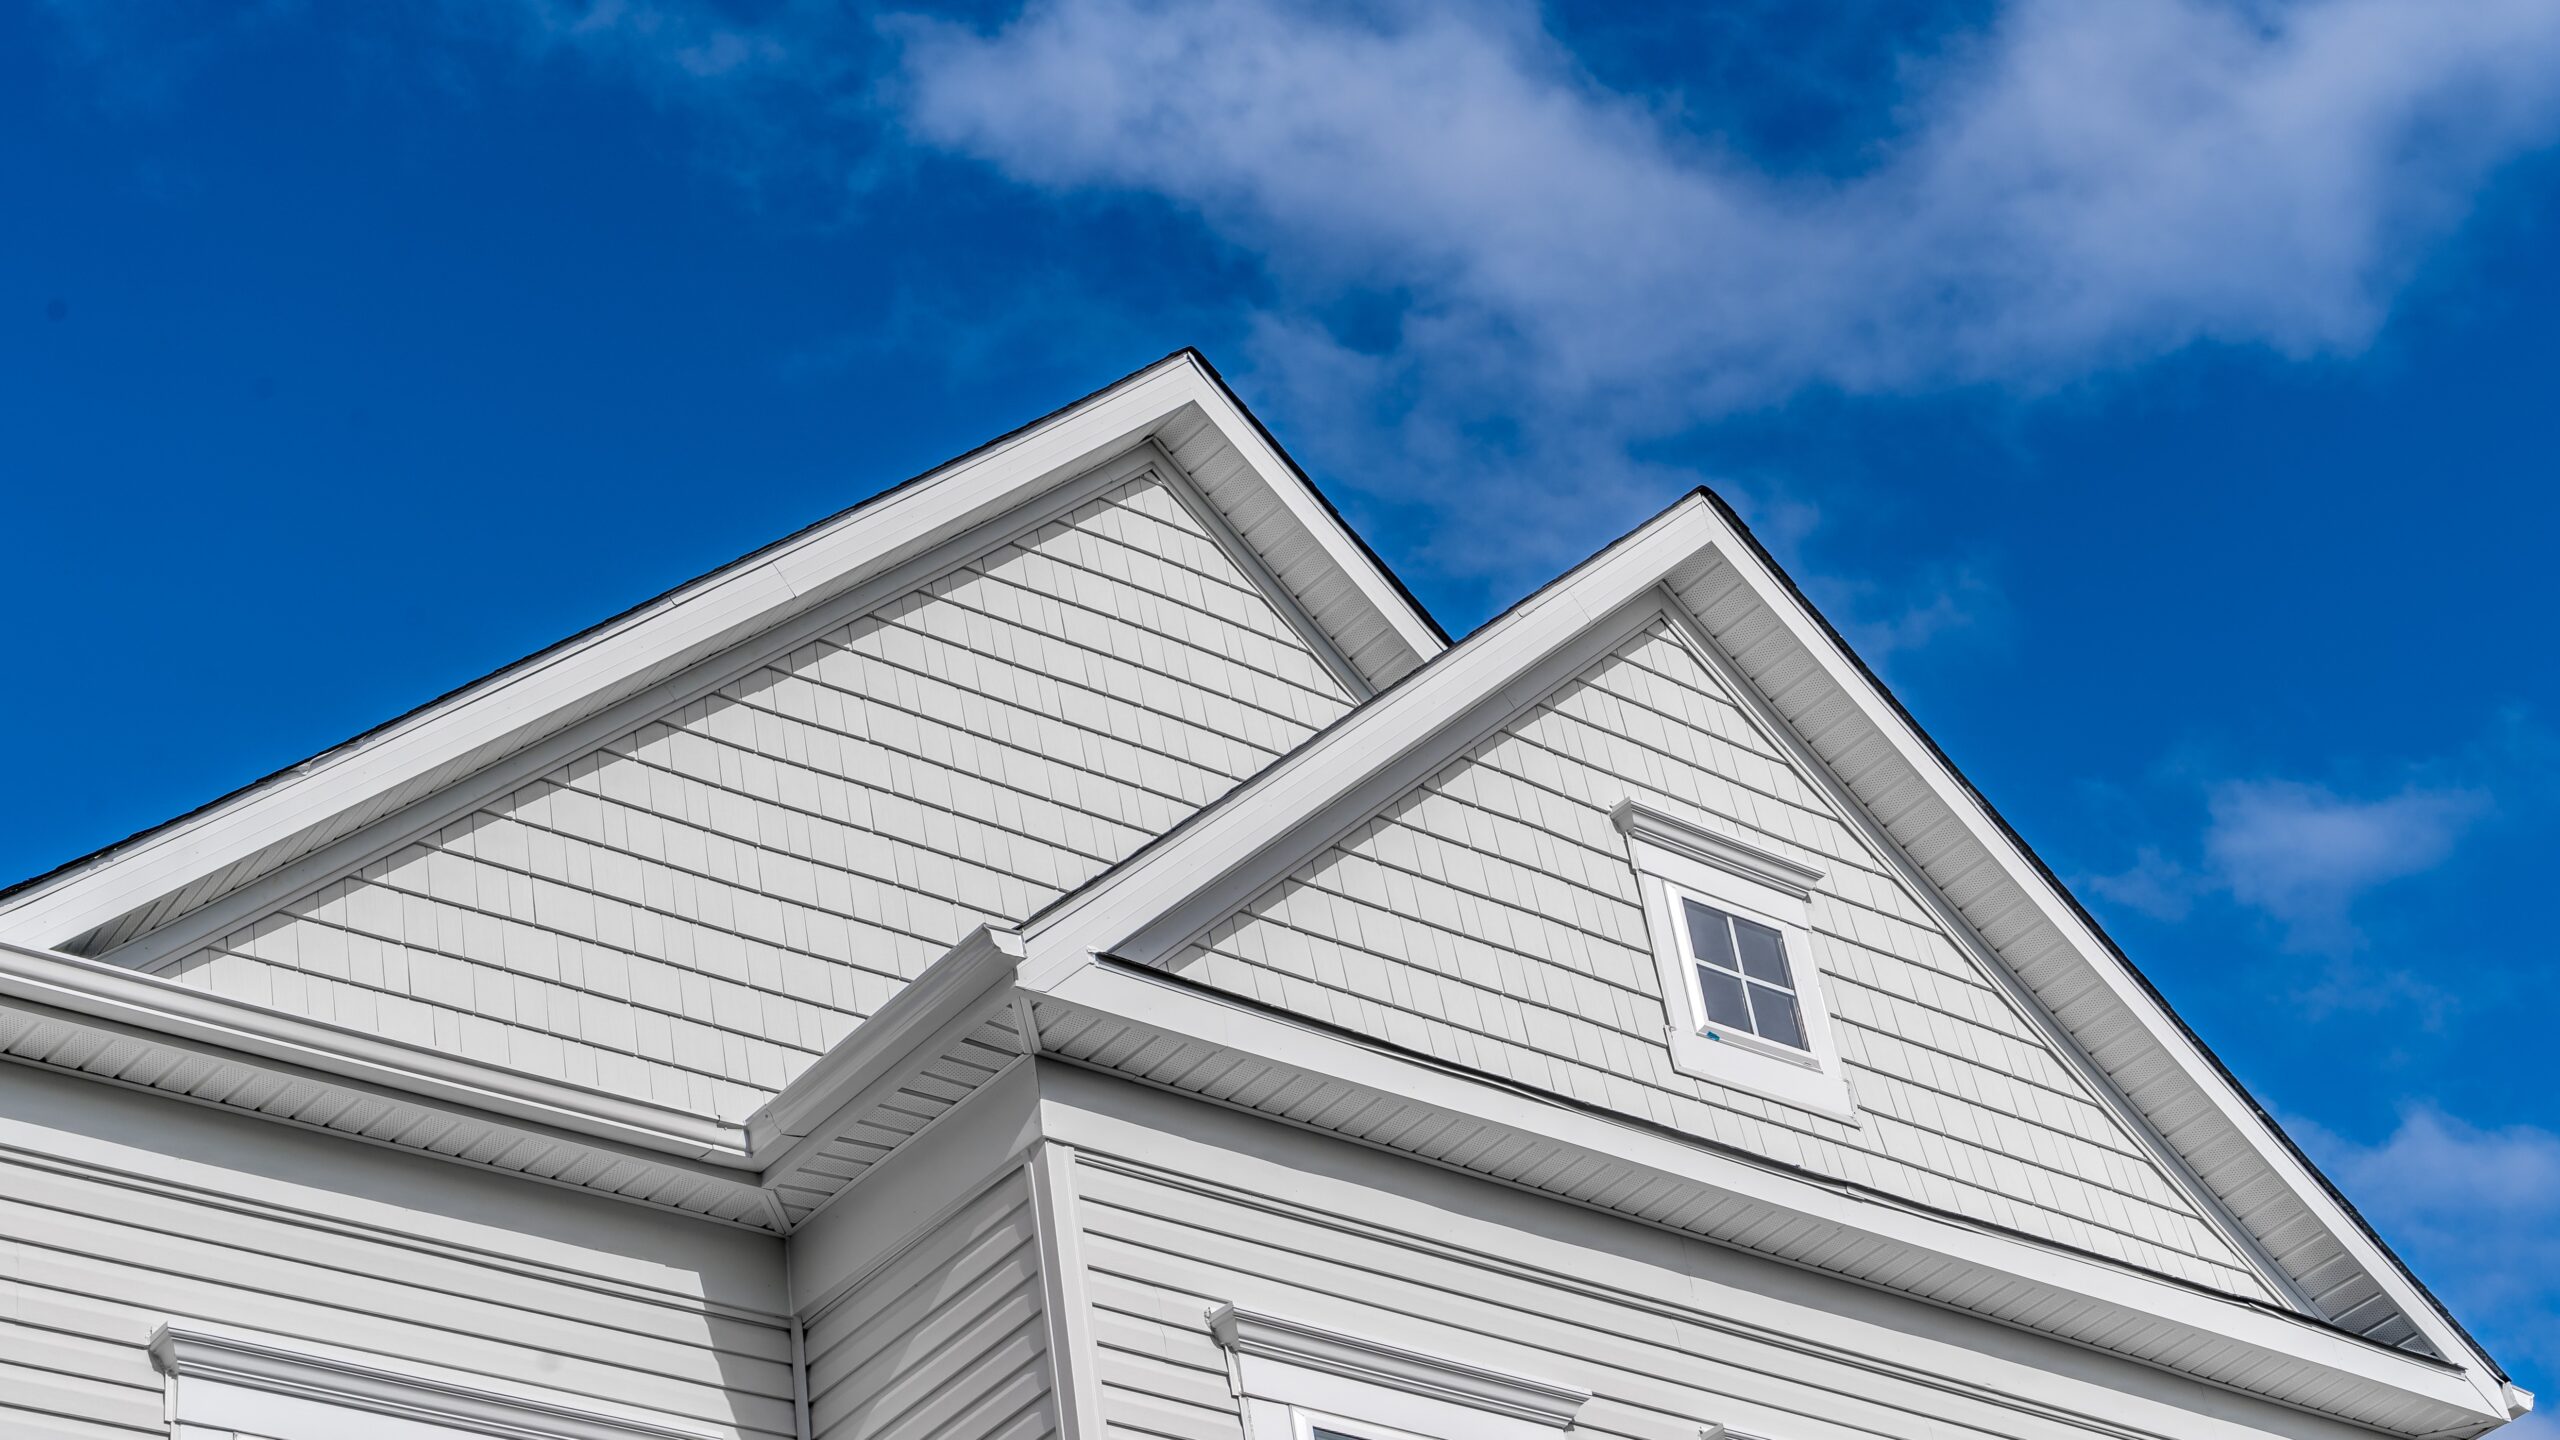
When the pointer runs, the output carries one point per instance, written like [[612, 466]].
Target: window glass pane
[[1776, 1012], [1708, 938], [1725, 1005], [1764, 955], [1324, 1434]]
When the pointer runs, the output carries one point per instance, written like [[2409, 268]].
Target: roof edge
[[2116, 952], [749, 594]]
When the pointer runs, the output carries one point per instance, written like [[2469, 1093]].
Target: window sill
[[1804, 1084]]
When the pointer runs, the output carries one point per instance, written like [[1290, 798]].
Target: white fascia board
[[1496, 670], [2281, 1338], [120, 997], [2021, 871], [1349, 556], [721, 609]]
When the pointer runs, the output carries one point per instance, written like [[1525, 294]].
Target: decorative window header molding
[[1639, 821], [218, 1377], [1249, 1335], [1688, 877]]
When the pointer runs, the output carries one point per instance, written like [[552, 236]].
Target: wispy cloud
[[2085, 185], [2312, 855], [2476, 1209], [1554, 277], [2301, 854]]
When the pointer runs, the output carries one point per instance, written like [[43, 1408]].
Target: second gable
[[1491, 917]]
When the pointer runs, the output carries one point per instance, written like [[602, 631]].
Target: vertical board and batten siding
[[697, 910], [1490, 917], [98, 1249], [947, 1341]]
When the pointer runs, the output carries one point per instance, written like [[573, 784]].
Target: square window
[[1731, 951], [1730, 925]]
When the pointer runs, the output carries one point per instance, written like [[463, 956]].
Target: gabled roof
[[1996, 895], [1696, 556], [1372, 627]]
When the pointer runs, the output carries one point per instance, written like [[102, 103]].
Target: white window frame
[[1290, 1376], [1308, 1422], [1676, 860]]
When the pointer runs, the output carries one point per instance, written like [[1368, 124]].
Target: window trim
[[1678, 860], [1304, 1424], [1289, 1376], [218, 1380]]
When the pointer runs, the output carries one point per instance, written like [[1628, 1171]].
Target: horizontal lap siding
[[1490, 917], [947, 1342], [88, 1268], [1161, 1255], [695, 911]]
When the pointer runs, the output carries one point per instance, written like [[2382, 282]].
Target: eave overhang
[[1134, 1021]]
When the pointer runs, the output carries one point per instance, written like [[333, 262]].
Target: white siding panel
[[1490, 917], [697, 910], [97, 1251], [1164, 1250], [946, 1342]]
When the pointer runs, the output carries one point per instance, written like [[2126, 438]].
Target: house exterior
[[1068, 948]]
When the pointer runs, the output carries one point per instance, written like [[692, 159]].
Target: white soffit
[[1179, 402], [1697, 558]]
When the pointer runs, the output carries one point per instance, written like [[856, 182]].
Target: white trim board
[[1281, 1369], [229, 842], [220, 1378]]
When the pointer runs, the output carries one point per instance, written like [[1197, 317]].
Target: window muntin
[[1744, 982]]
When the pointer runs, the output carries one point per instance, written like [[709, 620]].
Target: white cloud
[[2155, 885], [2091, 183], [1571, 275], [2303, 854]]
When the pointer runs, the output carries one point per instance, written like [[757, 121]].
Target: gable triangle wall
[[1489, 917], [696, 910]]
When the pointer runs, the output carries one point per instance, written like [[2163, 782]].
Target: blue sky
[[2156, 393]]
